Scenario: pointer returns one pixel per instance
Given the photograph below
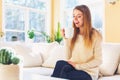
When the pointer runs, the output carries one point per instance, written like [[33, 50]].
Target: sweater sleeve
[[67, 48], [97, 59]]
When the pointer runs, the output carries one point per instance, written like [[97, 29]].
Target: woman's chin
[[77, 26]]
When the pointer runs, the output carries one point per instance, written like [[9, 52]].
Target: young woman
[[83, 49]]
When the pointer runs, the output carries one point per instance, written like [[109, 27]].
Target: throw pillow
[[45, 48], [31, 58], [57, 53], [110, 53]]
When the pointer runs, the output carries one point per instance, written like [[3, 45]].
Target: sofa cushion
[[110, 54], [31, 71], [30, 56], [37, 70], [114, 77], [57, 53], [45, 48], [118, 70], [34, 54], [10, 45]]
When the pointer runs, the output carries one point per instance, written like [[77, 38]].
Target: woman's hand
[[63, 33], [72, 63]]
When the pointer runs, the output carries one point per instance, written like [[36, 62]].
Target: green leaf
[[31, 34]]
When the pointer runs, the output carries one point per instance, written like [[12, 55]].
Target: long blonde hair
[[88, 30]]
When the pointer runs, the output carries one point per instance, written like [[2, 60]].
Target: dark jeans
[[64, 70]]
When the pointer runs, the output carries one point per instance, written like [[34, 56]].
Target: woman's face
[[78, 18]]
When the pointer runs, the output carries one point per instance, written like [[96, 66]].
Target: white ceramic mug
[[69, 32]]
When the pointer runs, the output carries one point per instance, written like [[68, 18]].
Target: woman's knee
[[68, 68], [60, 62]]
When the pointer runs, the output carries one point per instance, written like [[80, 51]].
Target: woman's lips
[[77, 23]]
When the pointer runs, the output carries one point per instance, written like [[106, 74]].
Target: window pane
[[16, 2], [14, 19], [71, 3], [39, 38], [68, 19], [20, 36], [36, 4], [97, 21], [22, 15], [37, 21]]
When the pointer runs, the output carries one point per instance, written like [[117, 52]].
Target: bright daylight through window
[[19, 16], [96, 8]]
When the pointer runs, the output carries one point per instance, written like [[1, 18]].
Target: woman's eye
[[79, 16]]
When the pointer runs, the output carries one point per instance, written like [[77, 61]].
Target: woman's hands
[[72, 63]]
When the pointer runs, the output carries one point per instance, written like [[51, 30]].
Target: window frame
[[27, 10]]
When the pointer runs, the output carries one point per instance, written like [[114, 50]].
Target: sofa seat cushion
[[115, 77], [37, 70]]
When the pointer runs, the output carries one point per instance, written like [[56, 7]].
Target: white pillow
[[31, 58], [45, 48], [11, 45], [57, 53], [110, 53]]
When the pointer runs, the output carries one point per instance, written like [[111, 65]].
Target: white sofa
[[40, 59]]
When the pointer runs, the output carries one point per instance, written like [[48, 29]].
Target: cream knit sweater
[[86, 59]]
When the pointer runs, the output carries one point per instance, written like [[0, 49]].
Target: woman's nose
[[75, 19]]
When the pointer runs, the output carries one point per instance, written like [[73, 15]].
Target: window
[[19, 16], [96, 8]]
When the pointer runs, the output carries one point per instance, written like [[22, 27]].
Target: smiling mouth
[[77, 23]]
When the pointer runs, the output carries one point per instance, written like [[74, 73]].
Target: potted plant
[[57, 35], [31, 35], [14, 38], [9, 68]]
